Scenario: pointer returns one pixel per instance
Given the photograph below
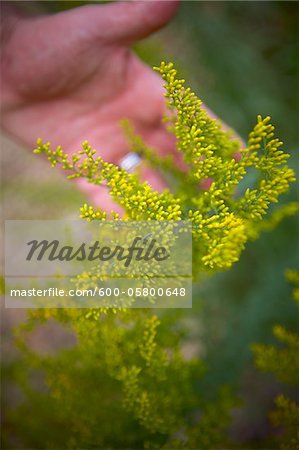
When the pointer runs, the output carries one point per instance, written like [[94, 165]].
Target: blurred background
[[241, 58]]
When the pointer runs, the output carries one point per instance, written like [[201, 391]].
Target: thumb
[[129, 21]]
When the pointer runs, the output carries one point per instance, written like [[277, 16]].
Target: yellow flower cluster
[[213, 193], [223, 219]]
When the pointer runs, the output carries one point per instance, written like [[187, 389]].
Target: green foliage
[[286, 415], [126, 384], [284, 363]]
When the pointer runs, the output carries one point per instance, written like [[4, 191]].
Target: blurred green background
[[241, 58]]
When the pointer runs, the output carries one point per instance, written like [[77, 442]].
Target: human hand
[[71, 76]]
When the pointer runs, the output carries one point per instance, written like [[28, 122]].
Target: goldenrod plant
[[223, 217], [129, 382]]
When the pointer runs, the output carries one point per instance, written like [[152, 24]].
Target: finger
[[99, 197]]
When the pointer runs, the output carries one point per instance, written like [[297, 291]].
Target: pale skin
[[71, 76]]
